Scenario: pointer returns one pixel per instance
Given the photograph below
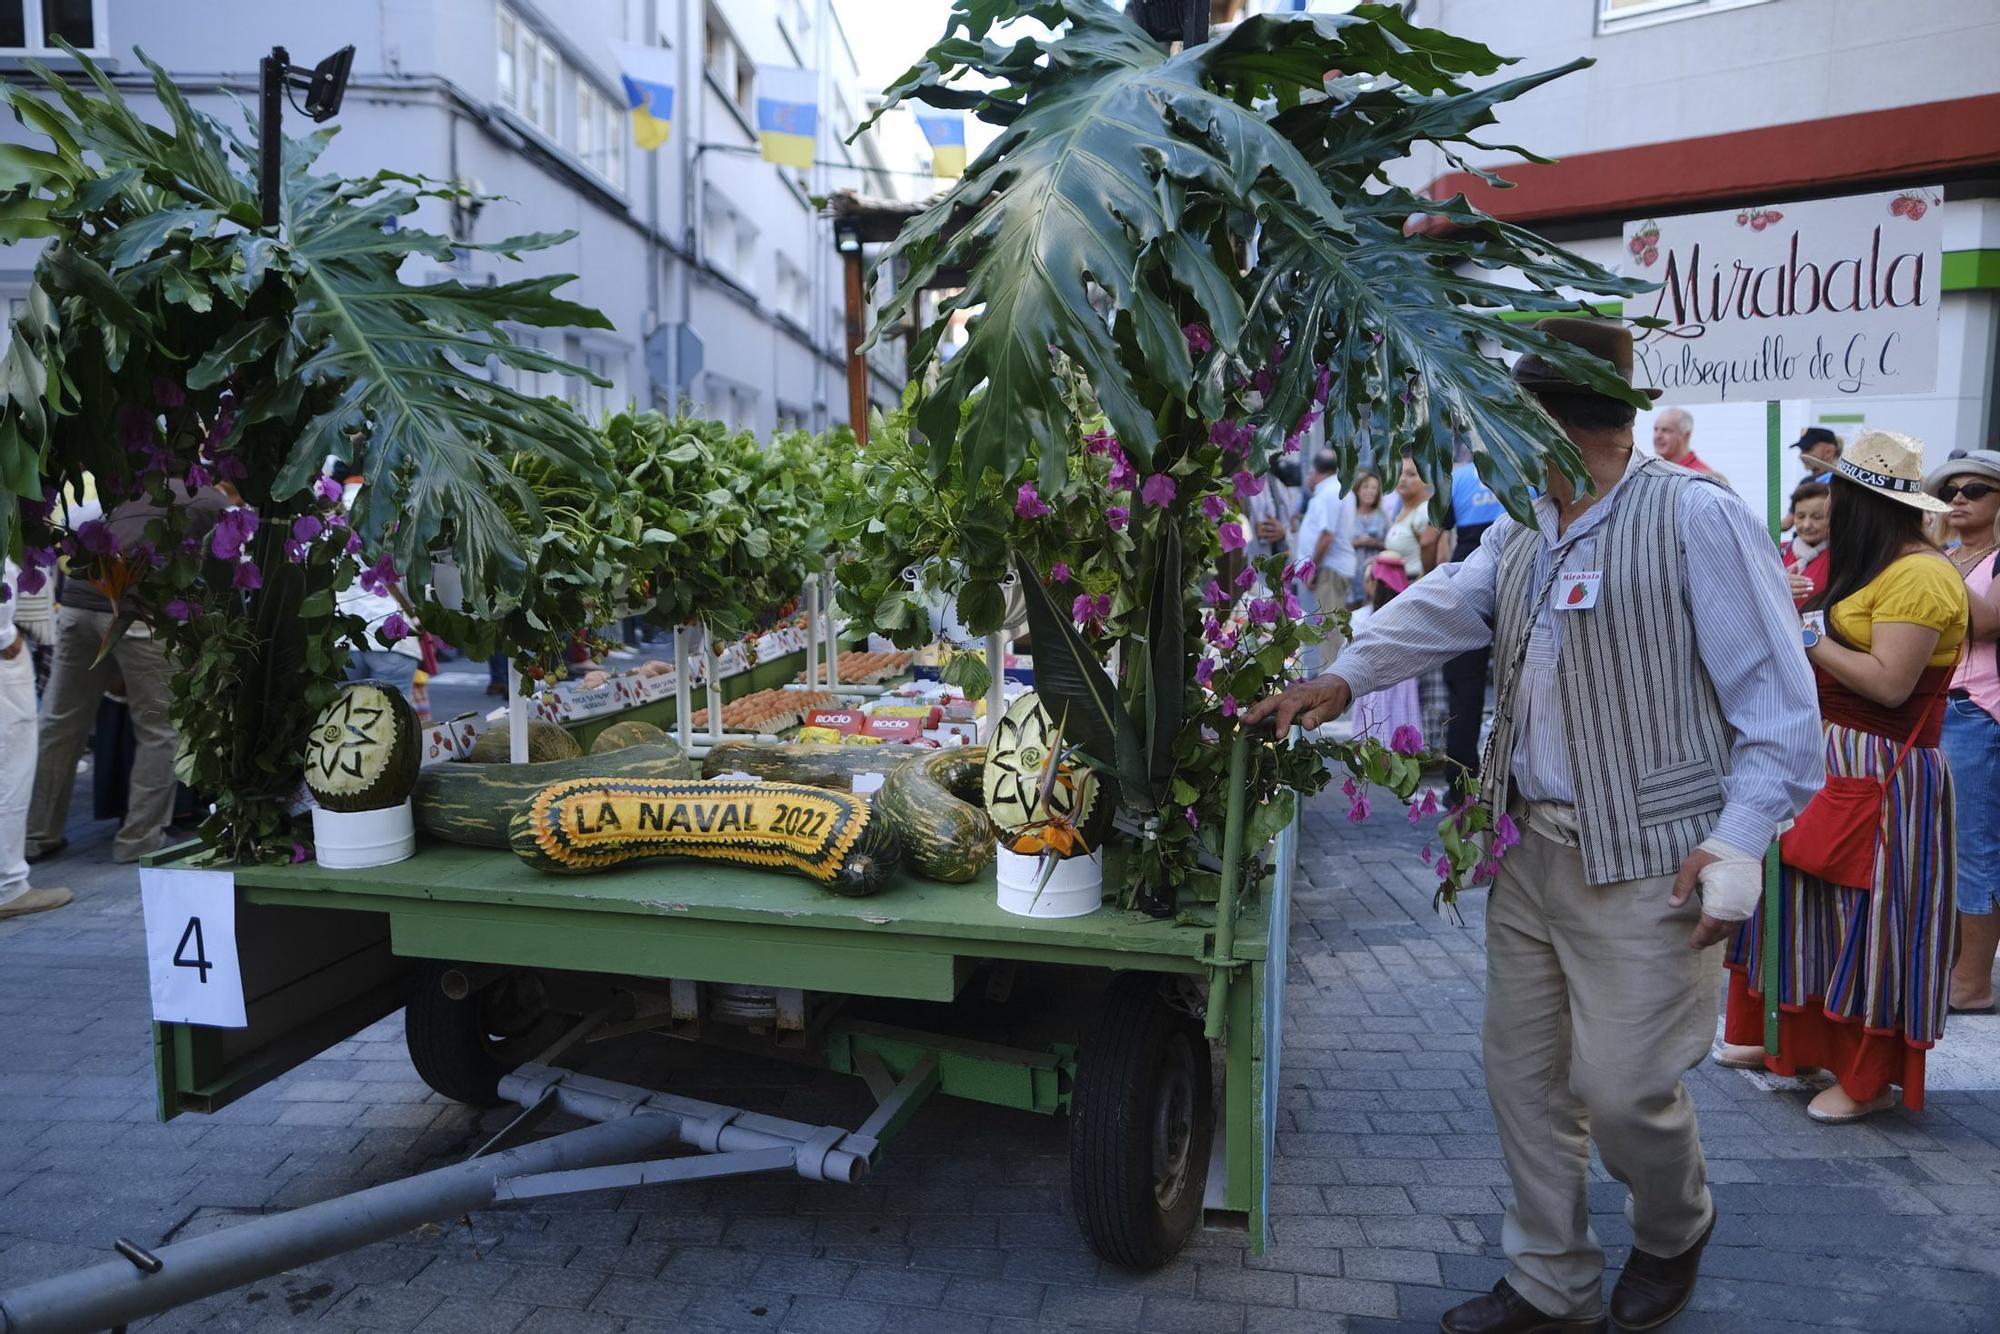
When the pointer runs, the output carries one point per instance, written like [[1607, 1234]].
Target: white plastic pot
[[1075, 887], [351, 840]]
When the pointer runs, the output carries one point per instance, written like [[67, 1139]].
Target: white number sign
[[191, 946]]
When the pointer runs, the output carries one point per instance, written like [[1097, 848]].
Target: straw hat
[[1973, 463], [1892, 464]]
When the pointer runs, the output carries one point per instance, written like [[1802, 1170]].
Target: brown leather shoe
[[1653, 1290], [1506, 1311]]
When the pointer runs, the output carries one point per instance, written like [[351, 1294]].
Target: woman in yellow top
[[1863, 970]]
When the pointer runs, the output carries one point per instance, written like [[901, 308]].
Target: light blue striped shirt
[[1746, 634]]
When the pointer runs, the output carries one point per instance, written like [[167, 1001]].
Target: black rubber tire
[[1138, 1165], [449, 1041]]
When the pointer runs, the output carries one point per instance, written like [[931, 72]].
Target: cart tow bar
[[632, 1124]]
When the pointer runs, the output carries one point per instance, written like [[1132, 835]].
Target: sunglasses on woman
[[1971, 491]]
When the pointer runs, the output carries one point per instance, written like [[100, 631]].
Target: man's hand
[[1709, 930], [1270, 530], [1308, 703]]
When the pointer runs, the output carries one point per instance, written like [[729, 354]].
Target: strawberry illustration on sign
[[1913, 204], [1576, 594], [1645, 243]]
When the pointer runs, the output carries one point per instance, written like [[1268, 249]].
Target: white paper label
[[1576, 590], [191, 946], [865, 783]]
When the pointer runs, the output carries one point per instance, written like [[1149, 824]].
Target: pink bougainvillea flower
[[1229, 706], [1247, 485], [1506, 834], [1158, 490], [1117, 516], [1350, 788], [1198, 340], [1293, 441], [95, 537], [1059, 573], [198, 476], [299, 853], [1123, 476], [1300, 573], [177, 610], [380, 577], [1232, 437], [1426, 855], [1443, 869], [232, 529], [1213, 508], [246, 577], [1416, 814], [1214, 595], [1294, 610], [1263, 611], [1194, 820], [1232, 536], [1228, 641], [1088, 610], [327, 488], [1027, 504], [1407, 740], [306, 527], [393, 629], [1204, 672], [1322, 383], [1360, 810], [1211, 630], [353, 547], [32, 581], [1100, 442], [1246, 577], [1431, 802]]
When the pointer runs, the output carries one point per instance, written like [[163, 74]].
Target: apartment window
[[797, 15], [729, 238], [600, 139], [535, 384], [30, 27], [530, 75], [1618, 15], [728, 65], [592, 400], [729, 402], [791, 417], [794, 292], [16, 306]]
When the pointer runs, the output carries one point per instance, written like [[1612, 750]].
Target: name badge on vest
[[1576, 590]]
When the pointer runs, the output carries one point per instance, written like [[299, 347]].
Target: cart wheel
[[1142, 1119], [462, 1047]]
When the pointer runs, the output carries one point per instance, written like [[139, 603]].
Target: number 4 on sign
[[191, 956]]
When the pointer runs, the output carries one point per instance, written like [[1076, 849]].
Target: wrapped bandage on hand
[[1732, 885]]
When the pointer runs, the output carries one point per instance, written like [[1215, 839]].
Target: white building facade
[[714, 266]]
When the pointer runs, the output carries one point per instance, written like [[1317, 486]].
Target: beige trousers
[[1595, 1008]]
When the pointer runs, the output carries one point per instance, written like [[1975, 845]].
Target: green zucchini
[[546, 741], [589, 824], [813, 764], [474, 803], [932, 801]]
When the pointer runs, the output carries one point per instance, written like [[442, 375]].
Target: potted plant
[[1201, 246]]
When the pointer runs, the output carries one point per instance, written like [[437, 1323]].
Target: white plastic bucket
[[351, 840], [1074, 889]]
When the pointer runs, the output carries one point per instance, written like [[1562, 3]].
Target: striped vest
[[1648, 743]]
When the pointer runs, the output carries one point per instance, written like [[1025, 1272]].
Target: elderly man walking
[[1655, 724], [1673, 440]]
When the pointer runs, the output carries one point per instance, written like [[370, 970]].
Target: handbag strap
[[1937, 700]]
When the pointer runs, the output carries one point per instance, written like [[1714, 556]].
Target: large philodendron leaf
[[1101, 198]]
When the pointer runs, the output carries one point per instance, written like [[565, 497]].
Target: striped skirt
[[1878, 958]]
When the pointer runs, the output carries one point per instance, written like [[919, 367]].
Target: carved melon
[[364, 750], [1012, 784]]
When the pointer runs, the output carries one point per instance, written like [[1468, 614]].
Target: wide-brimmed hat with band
[[1973, 463], [1608, 340], [1891, 463]]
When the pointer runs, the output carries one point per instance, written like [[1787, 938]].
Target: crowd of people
[[1672, 696]]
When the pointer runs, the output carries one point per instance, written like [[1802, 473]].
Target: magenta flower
[[1231, 437], [1123, 475], [1431, 802], [32, 580], [1506, 834], [1300, 573], [353, 547], [1247, 486], [1027, 504], [1088, 610], [1407, 740], [1228, 642], [1211, 630], [1214, 595], [380, 577], [246, 577], [1213, 508], [1415, 815], [1117, 516], [1263, 611], [1322, 383], [1294, 610], [166, 393], [306, 527], [1246, 577], [95, 537], [1360, 810], [1198, 340], [233, 528], [1293, 441], [1229, 706], [327, 488], [393, 628], [299, 853], [198, 477], [1059, 572], [1204, 672], [1425, 855], [1443, 869], [177, 610], [38, 511], [1194, 821], [1100, 442], [1232, 536], [1264, 381]]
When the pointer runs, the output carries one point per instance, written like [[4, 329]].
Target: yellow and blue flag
[[945, 132], [788, 114], [648, 75]]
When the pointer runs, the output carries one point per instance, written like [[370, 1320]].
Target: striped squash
[[476, 803]]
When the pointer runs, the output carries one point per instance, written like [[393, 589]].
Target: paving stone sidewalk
[[1388, 1196]]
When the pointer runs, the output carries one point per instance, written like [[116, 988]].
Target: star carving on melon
[[352, 741]]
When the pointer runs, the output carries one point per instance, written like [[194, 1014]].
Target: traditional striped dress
[[1863, 974]]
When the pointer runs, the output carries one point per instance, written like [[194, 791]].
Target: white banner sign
[[1827, 299], [191, 946]]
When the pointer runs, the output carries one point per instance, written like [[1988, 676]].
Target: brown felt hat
[[1607, 340]]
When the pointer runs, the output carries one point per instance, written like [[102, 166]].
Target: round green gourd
[[546, 741], [932, 802], [364, 749], [630, 732]]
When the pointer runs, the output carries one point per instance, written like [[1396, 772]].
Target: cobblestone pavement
[[1388, 1197]]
